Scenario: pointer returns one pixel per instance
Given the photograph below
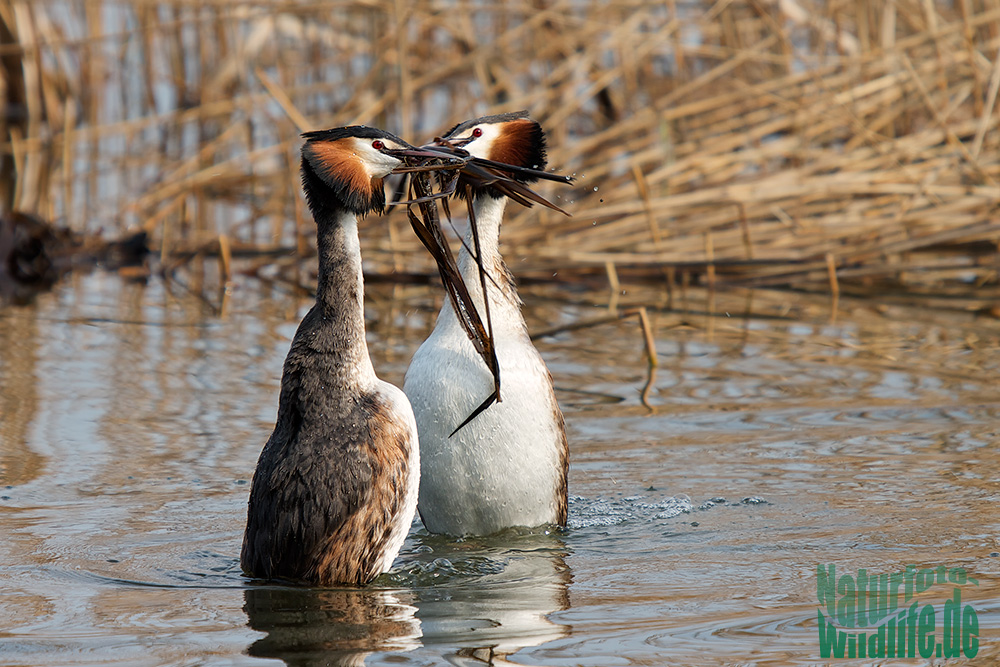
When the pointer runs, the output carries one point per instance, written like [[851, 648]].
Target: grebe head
[[349, 163], [511, 138]]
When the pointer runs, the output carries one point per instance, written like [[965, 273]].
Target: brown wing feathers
[[354, 552], [323, 511]]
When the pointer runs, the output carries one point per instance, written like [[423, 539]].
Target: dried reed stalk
[[753, 141]]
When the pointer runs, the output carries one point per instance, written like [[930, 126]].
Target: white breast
[[401, 408], [505, 467]]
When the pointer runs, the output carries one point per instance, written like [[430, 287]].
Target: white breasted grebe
[[335, 488], [508, 466]]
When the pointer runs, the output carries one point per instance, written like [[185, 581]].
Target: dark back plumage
[[330, 482]]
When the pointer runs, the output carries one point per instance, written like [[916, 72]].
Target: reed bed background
[[842, 145]]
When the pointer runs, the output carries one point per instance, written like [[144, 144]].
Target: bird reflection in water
[[473, 603], [308, 626]]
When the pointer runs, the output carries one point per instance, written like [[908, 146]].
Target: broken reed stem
[[710, 260], [225, 258], [613, 284], [647, 332], [649, 340], [647, 389], [745, 229], [68, 172], [831, 269], [18, 155]]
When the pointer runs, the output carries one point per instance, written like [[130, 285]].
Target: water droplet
[[595, 188]]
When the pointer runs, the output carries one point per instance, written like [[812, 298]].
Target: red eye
[[378, 145], [477, 132]]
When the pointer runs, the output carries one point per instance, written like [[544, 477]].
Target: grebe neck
[[340, 293], [489, 215]]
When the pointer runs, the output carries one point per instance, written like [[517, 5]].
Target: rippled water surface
[[773, 439]]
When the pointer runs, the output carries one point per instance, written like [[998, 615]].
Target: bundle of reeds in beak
[[457, 171]]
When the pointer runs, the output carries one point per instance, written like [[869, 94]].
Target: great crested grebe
[[335, 488], [507, 467]]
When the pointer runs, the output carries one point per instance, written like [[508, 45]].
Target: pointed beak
[[448, 147], [451, 148], [424, 158], [434, 156], [442, 148], [413, 153]]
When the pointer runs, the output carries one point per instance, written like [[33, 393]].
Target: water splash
[[590, 512]]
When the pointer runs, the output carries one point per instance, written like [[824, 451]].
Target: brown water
[[774, 441]]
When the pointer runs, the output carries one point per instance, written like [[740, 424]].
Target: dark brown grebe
[[335, 488]]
